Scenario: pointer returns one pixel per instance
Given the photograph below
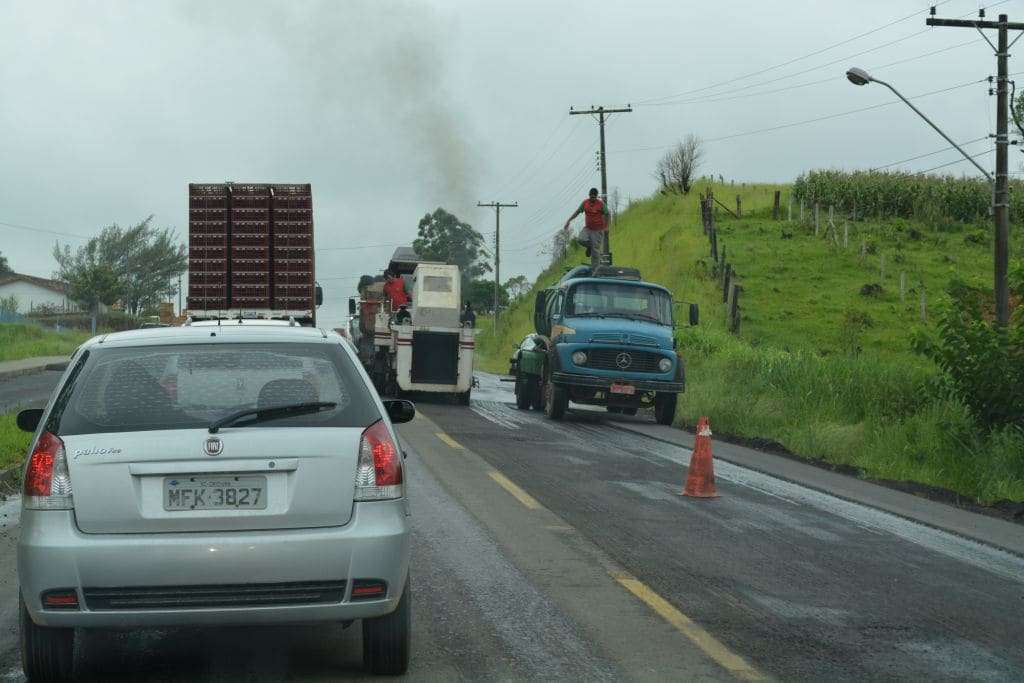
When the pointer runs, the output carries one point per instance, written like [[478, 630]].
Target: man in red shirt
[[596, 218], [394, 287]]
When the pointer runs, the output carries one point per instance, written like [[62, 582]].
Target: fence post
[[726, 281], [775, 205], [881, 265], [801, 211], [714, 242], [846, 235], [739, 212], [734, 308], [816, 207], [789, 211], [903, 287], [924, 306]]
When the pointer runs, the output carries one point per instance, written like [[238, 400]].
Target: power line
[[540, 150], [794, 60], [45, 230], [922, 156], [364, 246], [809, 121], [955, 161]]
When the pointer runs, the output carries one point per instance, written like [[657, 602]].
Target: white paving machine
[[423, 346]]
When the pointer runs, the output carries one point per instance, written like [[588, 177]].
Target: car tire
[[387, 640], [556, 400], [47, 654], [523, 392], [665, 408]]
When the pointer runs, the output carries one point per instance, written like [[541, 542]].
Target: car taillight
[[379, 472], [47, 480]]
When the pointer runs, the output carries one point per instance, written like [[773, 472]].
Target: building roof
[[54, 285]]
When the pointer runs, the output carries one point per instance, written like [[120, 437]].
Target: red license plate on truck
[[627, 389]]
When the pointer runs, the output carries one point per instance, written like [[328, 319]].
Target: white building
[[35, 293]]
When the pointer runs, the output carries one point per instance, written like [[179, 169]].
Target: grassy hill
[[823, 363]]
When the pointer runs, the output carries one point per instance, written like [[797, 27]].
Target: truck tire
[[387, 640], [524, 392], [536, 393], [556, 400], [665, 408], [47, 654]]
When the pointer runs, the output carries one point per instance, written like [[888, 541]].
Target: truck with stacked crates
[[251, 252]]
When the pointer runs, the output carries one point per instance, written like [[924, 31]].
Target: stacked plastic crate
[[207, 247], [250, 247], [293, 273]]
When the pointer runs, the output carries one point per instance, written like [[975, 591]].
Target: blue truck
[[603, 337]]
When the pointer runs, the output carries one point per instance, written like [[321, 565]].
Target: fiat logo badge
[[623, 360], [213, 446]]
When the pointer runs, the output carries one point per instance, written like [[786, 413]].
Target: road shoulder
[[10, 369], [981, 528]]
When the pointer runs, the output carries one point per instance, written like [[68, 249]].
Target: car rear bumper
[[569, 378], [53, 554]]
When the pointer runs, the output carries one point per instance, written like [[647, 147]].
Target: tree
[[480, 293], [443, 237], [4, 268], [140, 263], [517, 287], [676, 169]]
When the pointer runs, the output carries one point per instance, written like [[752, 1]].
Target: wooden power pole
[[497, 206], [602, 115], [1001, 202]]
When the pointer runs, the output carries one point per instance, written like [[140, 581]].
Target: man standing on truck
[[596, 219], [394, 287]]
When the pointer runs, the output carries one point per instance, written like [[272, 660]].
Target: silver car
[[225, 474]]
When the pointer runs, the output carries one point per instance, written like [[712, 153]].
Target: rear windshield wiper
[[275, 413]]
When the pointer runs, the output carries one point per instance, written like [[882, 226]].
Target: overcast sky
[[390, 109]]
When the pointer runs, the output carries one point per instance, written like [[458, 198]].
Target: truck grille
[[200, 597], [625, 361]]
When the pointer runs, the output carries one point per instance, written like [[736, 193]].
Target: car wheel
[[387, 639], [665, 408], [523, 392], [47, 654], [556, 400]]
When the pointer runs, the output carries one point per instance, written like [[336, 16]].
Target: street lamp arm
[[937, 129]]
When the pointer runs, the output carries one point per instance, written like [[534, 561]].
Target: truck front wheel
[[524, 391], [556, 400], [665, 408]]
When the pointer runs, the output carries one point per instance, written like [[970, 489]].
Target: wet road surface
[[563, 551]]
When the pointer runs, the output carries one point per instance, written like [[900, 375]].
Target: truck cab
[[603, 337]]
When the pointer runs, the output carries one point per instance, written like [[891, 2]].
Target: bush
[[982, 363]]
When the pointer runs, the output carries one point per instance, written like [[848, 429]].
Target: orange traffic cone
[[700, 481]]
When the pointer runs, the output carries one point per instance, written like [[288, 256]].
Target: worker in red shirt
[[596, 219], [394, 287]]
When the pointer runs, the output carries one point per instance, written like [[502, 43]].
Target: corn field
[[886, 194]]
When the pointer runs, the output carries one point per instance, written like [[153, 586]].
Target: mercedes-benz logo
[[213, 446], [623, 360]]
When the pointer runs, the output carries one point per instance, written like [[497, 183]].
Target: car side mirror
[[318, 294], [400, 410], [351, 306], [28, 420], [694, 315]]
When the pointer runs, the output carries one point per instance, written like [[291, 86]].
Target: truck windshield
[[614, 299]]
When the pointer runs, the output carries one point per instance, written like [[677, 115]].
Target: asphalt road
[[27, 391], [563, 551]]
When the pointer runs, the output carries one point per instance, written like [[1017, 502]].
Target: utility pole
[[497, 206], [602, 115], [1001, 202]]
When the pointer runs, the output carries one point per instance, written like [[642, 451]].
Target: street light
[[862, 77]]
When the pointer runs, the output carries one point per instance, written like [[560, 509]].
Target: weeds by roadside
[[13, 441], [19, 341]]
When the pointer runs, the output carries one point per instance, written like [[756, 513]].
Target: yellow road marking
[[517, 493], [714, 649], [450, 441]]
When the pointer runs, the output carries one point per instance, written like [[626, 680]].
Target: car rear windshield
[[187, 386]]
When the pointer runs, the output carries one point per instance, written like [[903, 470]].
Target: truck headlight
[[665, 364], [579, 358]]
